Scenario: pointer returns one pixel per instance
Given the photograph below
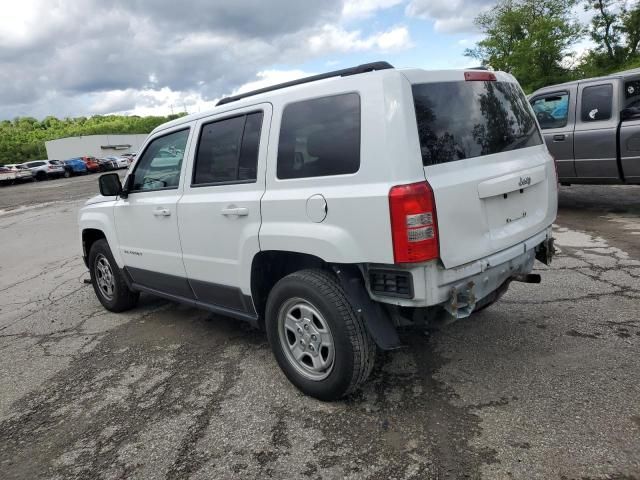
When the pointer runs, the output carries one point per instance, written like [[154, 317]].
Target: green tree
[[529, 39], [615, 31], [23, 138]]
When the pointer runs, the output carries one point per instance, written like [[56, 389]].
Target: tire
[[121, 298], [315, 298], [66, 174], [40, 176]]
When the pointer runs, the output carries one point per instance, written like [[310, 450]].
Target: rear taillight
[[479, 76], [414, 226]]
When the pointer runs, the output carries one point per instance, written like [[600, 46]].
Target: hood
[[99, 199]]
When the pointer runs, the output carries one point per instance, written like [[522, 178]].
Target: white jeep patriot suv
[[332, 211]]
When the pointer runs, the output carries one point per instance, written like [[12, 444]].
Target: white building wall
[[93, 146]]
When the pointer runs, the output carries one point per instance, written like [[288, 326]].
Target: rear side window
[[228, 150], [552, 110], [466, 119], [320, 137], [596, 103]]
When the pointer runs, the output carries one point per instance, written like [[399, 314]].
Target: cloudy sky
[[84, 57]]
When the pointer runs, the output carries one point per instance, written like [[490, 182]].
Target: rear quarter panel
[[357, 226]]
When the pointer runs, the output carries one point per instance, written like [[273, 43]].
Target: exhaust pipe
[[527, 278]]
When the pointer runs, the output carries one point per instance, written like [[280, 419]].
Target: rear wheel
[[319, 342], [108, 281], [41, 176], [67, 173]]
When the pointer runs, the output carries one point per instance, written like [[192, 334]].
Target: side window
[[552, 110], [159, 166], [228, 150], [596, 103], [320, 137]]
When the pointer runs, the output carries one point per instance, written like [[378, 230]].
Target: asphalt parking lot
[[543, 385]]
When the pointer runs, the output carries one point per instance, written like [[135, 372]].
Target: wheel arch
[[269, 266], [89, 237], [97, 222]]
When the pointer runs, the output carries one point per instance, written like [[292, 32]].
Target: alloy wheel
[[306, 339]]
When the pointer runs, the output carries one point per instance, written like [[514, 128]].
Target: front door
[[147, 221], [219, 213], [555, 112]]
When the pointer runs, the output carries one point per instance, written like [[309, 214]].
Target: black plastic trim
[[220, 295], [247, 317], [172, 284], [396, 273], [364, 68], [377, 320], [210, 296]]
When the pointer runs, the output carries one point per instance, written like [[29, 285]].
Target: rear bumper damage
[[461, 289], [464, 297]]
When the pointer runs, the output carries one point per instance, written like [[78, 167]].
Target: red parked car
[[91, 163]]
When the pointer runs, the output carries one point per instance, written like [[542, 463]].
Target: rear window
[[596, 103], [458, 120]]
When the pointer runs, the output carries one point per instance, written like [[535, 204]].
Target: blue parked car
[[74, 166]]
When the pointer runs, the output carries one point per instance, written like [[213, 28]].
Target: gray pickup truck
[[592, 128]]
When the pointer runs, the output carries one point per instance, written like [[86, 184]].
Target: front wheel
[[67, 174], [319, 342], [108, 281]]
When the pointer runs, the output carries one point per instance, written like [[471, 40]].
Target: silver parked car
[[44, 169], [23, 174], [592, 128]]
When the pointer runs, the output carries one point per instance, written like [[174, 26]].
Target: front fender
[[100, 216]]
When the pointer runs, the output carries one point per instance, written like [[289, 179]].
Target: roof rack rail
[[364, 68]]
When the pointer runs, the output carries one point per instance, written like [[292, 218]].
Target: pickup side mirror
[[110, 185], [630, 113]]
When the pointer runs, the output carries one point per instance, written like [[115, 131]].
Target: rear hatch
[[493, 179]]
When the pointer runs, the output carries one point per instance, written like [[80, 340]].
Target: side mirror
[[110, 185]]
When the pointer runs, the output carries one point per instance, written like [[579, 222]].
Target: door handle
[[162, 212], [233, 210], [560, 137]]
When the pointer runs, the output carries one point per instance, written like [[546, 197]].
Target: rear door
[[595, 142], [219, 213], [483, 155], [556, 113]]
